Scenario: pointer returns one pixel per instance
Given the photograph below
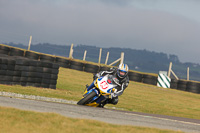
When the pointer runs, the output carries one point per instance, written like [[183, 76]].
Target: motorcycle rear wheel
[[87, 99]]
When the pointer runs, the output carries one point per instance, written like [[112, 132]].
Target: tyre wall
[[15, 70], [181, 85], [134, 76], [32, 70], [193, 87], [174, 84], [149, 79]]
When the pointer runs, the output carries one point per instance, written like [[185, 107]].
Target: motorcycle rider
[[121, 73]]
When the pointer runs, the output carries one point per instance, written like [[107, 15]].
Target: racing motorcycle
[[105, 87]]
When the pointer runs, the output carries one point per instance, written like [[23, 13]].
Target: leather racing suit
[[123, 84]]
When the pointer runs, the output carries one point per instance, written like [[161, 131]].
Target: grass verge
[[137, 97], [18, 121]]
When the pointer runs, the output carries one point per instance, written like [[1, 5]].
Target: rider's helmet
[[122, 70]]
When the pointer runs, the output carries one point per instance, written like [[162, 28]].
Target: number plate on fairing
[[104, 85]]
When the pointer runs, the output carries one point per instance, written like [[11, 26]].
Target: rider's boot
[[106, 101], [101, 105], [113, 101]]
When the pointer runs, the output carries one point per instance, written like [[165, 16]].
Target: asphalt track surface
[[105, 115]]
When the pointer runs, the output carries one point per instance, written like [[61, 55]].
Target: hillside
[[139, 60]]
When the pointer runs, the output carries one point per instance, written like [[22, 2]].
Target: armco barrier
[[73, 64]]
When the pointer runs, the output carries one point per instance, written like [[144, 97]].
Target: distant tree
[[174, 58]]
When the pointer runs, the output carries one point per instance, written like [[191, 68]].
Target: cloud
[[104, 23]]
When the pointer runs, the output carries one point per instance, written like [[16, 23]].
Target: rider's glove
[[113, 94], [114, 90], [113, 68], [96, 76]]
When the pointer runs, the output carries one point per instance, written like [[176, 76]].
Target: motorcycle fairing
[[103, 88]]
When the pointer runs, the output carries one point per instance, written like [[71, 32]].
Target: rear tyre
[[87, 99]]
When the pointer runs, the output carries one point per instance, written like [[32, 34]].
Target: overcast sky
[[169, 26]]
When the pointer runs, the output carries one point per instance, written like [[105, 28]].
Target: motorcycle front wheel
[[87, 98]]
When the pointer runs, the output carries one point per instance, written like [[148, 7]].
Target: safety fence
[[94, 68]]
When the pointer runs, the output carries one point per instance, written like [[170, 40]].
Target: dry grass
[[137, 97], [140, 97], [18, 121], [151, 99]]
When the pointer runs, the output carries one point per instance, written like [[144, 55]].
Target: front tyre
[[87, 99]]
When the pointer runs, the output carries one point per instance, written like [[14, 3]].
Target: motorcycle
[[105, 87]]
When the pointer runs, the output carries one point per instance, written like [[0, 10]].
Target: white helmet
[[122, 70]]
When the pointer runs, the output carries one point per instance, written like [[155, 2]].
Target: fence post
[[100, 51], [107, 58], [115, 62], [170, 68], [71, 51], [84, 55], [188, 73], [122, 58], [29, 44]]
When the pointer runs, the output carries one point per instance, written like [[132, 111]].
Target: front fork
[[91, 90], [99, 98]]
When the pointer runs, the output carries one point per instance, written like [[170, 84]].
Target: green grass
[[137, 97], [18, 121]]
